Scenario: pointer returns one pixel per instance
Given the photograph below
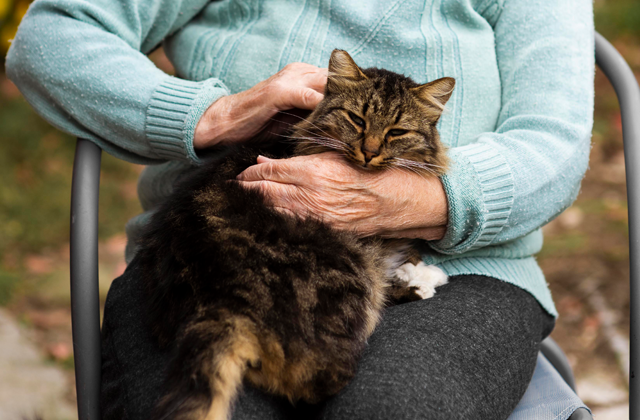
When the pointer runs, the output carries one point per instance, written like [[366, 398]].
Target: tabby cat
[[241, 291]]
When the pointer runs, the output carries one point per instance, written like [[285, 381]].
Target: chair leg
[[85, 301]]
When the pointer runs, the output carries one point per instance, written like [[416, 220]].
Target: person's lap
[[468, 352]]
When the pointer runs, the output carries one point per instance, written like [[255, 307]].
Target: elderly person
[[518, 127]]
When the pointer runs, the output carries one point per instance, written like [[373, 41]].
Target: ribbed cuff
[[173, 113], [480, 192]]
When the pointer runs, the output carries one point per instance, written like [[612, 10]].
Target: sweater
[[518, 124]]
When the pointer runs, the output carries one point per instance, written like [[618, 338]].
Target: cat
[[241, 291]]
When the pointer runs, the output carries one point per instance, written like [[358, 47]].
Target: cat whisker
[[336, 144], [296, 140], [291, 126], [414, 170], [396, 168], [330, 145], [284, 136], [325, 141], [414, 167], [419, 164], [315, 140], [303, 119]]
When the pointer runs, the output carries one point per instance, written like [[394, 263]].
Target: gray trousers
[[467, 353]]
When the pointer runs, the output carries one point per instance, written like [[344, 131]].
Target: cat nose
[[369, 154]]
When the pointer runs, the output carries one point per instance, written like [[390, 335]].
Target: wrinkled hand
[[244, 115], [391, 203]]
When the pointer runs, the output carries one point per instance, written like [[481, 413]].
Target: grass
[[35, 165], [617, 18], [36, 162], [8, 282]]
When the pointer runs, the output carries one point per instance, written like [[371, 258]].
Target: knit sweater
[[518, 124]]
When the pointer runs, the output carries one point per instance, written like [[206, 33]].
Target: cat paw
[[425, 278]]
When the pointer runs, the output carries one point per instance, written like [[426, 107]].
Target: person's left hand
[[389, 203]]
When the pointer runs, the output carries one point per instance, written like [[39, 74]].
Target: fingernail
[[240, 177], [264, 157]]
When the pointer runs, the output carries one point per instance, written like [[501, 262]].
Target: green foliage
[[615, 18], [36, 179], [7, 283], [571, 243], [11, 13], [35, 167], [68, 363]]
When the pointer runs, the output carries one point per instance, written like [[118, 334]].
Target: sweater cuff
[[480, 193], [173, 113]]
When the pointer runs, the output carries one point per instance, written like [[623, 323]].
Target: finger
[[277, 195], [318, 80], [274, 170], [306, 98], [291, 171], [264, 159], [270, 189]]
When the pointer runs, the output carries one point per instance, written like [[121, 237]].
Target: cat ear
[[342, 69], [436, 93]]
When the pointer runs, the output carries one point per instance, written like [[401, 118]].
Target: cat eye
[[357, 120], [396, 132]]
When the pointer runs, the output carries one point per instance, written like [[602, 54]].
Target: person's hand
[[243, 115], [389, 203]]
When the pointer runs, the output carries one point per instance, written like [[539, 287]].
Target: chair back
[[625, 84]]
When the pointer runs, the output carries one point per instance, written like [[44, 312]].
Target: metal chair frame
[[85, 302]]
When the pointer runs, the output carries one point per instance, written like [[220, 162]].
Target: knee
[[400, 401]]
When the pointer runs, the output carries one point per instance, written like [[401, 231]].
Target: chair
[[85, 304]]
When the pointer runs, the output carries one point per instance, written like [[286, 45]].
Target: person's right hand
[[241, 116]]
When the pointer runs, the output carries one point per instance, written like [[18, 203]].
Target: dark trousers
[[467, 353]]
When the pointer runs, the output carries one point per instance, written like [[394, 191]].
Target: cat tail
[[206, 375]]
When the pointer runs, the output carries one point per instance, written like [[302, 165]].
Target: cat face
[[377, 119]]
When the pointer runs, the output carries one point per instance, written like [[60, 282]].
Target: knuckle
[[263, 187], [288, 69], [307, 96], [269, 171]]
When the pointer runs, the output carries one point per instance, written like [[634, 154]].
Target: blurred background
[[585, 256]]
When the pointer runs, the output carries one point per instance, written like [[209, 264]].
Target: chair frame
[[85, 301], [626, 87], [85, 296]]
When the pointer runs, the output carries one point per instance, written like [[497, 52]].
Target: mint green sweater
[[518, 124]]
